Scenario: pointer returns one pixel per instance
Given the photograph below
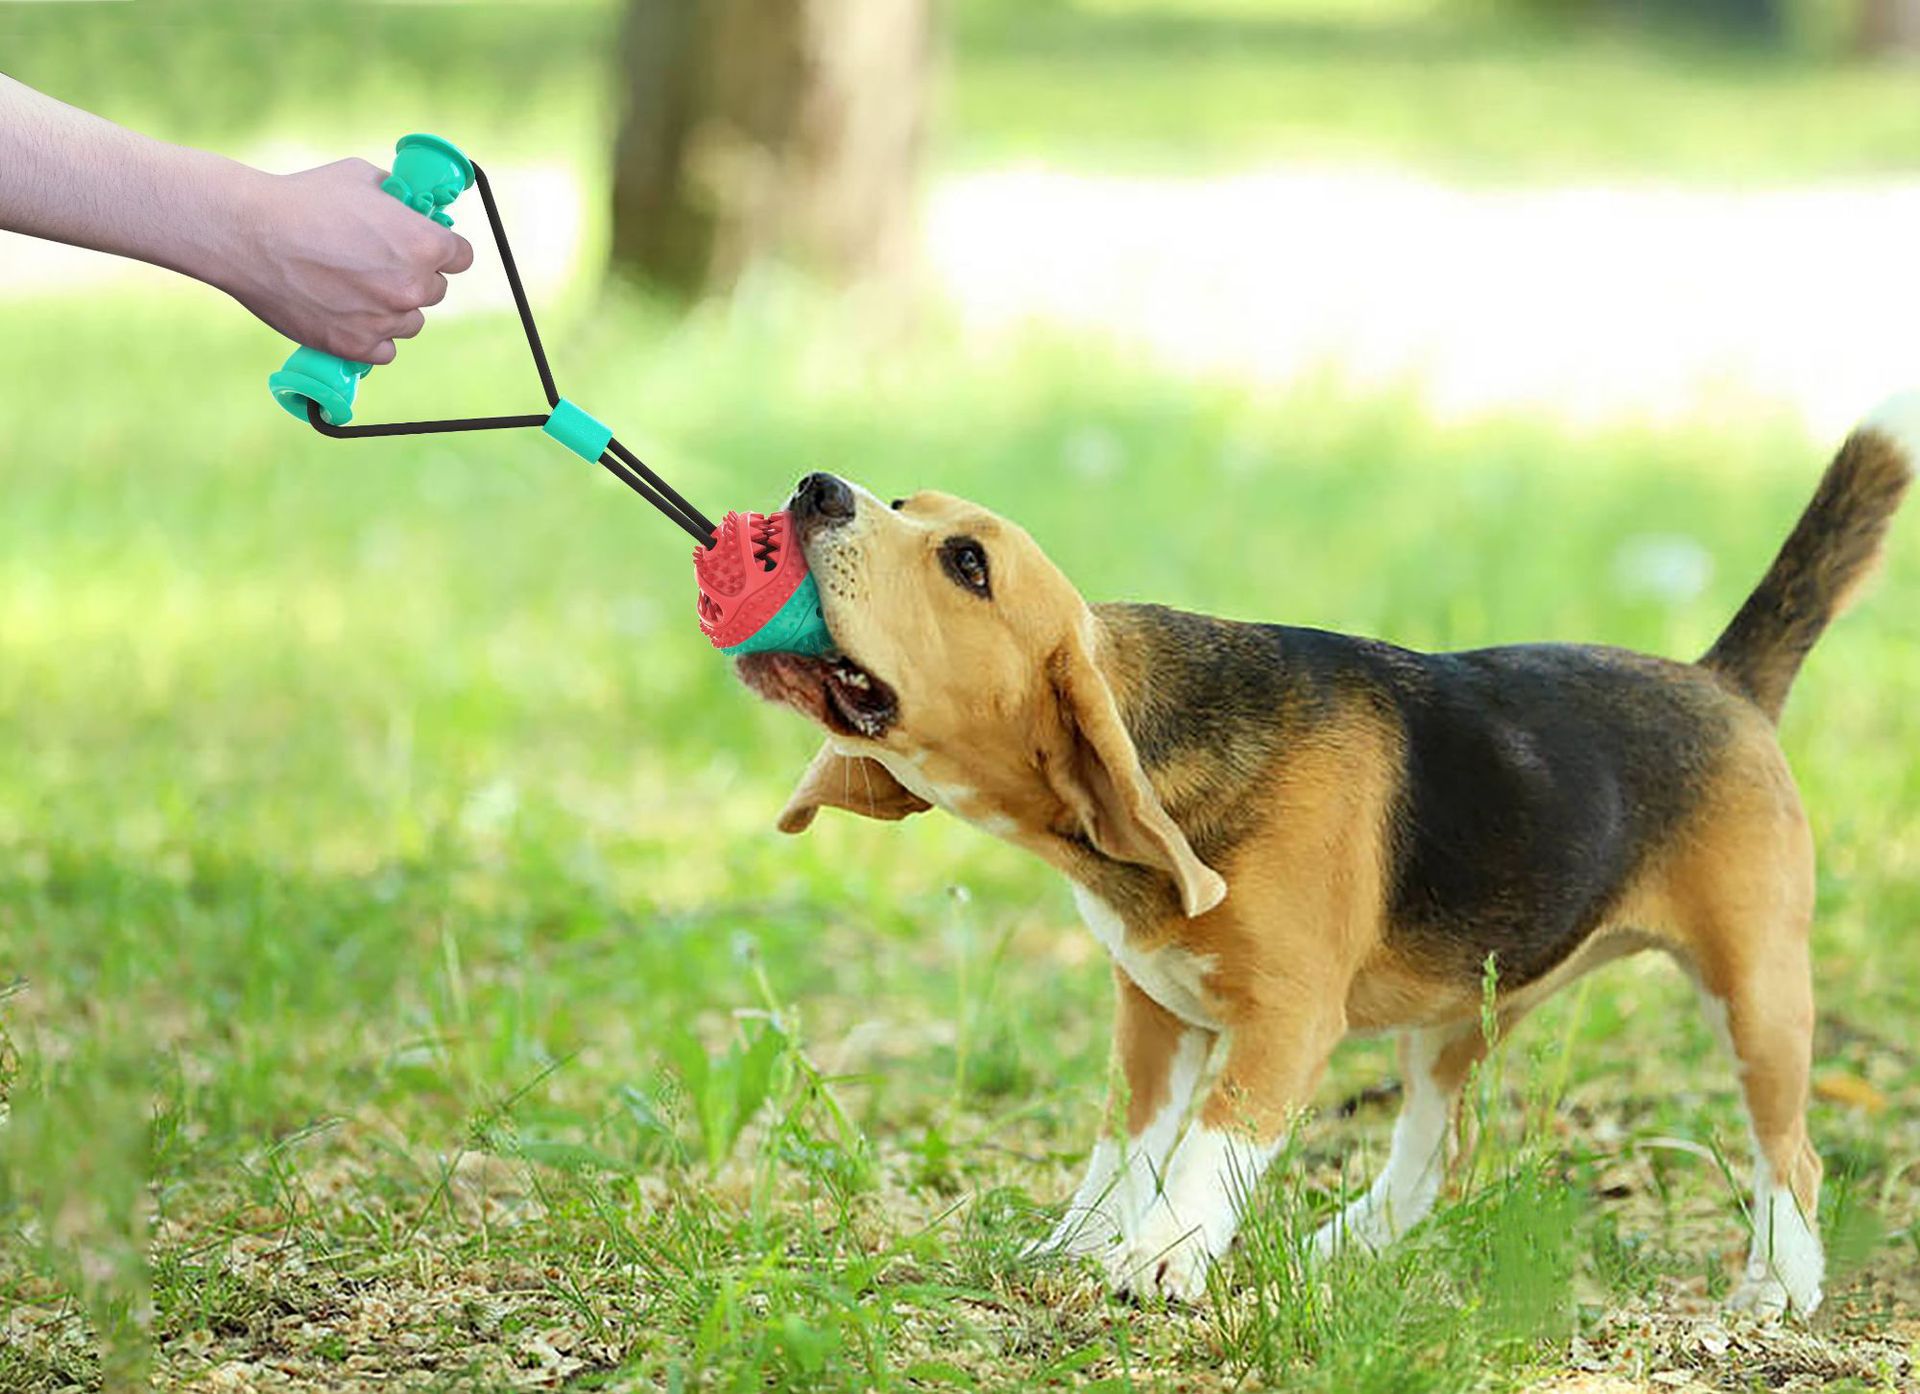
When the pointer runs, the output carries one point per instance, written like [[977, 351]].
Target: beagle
[[1283, 836]]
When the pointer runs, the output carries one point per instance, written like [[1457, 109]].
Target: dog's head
[[968, 675]]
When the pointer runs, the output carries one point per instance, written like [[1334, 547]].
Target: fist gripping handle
[[428, 174]]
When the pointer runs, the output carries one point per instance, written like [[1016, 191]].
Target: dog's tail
[[1831, 550]]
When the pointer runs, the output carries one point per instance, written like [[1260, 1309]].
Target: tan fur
[[1013, 708], [1144, 1036], [1293, 926], [857, 783], [1088, 759], [1734, 899], [1032, 731]]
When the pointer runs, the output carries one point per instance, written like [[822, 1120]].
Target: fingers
[[434, 289], [383, 352], [459, 258], [411, 323]]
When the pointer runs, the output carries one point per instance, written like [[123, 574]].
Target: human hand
[[330, 261]]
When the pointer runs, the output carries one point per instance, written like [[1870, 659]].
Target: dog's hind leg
[[1744, 898], [1434, 1063], [1766, 1009]]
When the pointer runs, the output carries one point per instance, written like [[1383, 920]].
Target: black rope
[[618, 461], [419, 428], [639, 467], [513, 284], [618, 469]]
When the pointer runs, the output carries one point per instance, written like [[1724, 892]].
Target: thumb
[[460, 256]]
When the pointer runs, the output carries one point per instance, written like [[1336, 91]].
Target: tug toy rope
[[755, 593]]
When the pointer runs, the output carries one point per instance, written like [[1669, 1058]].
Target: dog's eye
[[966, 562], [897, 505]]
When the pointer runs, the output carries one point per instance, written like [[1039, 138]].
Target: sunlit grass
[[1466, 89], [1455, 89], [389, 908], [375, 815]]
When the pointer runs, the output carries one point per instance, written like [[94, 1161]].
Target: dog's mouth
[[836, 692]]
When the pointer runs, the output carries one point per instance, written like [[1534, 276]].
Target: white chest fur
[[1173, 977]]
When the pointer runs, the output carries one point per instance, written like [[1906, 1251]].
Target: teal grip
[[579, 432], [428, 174], [316, 376]]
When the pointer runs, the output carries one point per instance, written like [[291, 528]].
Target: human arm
[[323, 256]]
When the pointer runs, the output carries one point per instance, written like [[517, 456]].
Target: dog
[[1283, 836]]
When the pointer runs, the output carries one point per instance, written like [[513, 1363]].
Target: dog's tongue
[[755, 593]]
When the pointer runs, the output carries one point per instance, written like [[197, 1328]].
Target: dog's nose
[[823, 496]]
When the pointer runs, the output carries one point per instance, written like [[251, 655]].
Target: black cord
[[513, 284], [618, 461], [639, 467], [618, 469], [419, 428]]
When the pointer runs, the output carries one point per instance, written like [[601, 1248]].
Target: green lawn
[[376, 817], [401, 982], [1454, 86], [1450, 87]]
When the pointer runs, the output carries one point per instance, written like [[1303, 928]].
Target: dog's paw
[[1764, 1298], [1768, 1295], [1359, 1230], [1165, 1260], [1174, 1274]]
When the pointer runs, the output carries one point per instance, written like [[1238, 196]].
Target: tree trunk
[[1890, 27], [756, 128]]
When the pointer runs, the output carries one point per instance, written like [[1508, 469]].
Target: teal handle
[[428, 174]]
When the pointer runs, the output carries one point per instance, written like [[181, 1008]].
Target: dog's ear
[[852, 782], [1096, 771]]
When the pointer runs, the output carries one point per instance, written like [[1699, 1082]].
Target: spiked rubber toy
[[756, 595]]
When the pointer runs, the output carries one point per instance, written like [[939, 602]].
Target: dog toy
[[755, 594]]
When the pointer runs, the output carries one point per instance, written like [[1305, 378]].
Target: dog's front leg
[[1157, 1060], [1273, 1061]]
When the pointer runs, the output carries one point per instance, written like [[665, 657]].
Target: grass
[[400, 981], [1457, 88], [1452, 86], [374, 824]]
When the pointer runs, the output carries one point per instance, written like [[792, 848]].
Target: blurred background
[[366, 806]]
